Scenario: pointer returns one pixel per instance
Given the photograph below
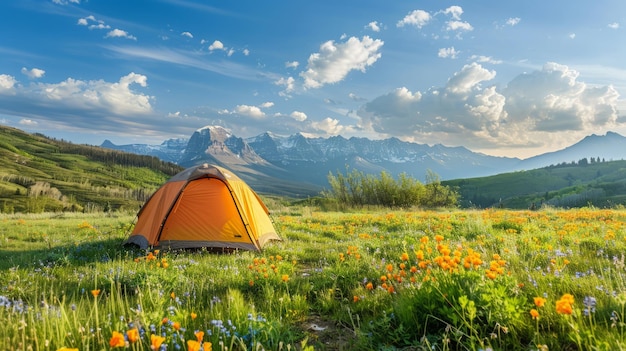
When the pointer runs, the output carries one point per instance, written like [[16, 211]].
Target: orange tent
[[204, 206]]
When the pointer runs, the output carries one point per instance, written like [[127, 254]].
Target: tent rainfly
[[203, 206]]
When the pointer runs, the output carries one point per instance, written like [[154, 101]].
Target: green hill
[[42, 174], [601, 184]]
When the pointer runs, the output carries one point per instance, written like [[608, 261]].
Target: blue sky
[[500, 77]]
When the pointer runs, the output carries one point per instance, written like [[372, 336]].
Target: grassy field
[[376, 280]]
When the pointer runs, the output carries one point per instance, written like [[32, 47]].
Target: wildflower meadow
[[364, 280]]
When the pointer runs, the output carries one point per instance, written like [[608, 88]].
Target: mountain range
[[297, 165]]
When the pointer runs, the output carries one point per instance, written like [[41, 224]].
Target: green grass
[[81, 177], [366, 280], [568, 185]]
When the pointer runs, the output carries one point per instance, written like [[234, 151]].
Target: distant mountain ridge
[[298, 165]]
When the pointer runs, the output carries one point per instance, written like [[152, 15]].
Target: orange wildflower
[[156, 341], [194, 315], [133, 335], [95, 292], [285, 278], [176, 326], [355, 298], [534, 313], [369, 286], [199, 336], [405, 256], [193, 345], [539, 301], [564, 304], [117, 340]]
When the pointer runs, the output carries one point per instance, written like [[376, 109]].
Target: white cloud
[[454, 11], [417, 18], [448, 53], [28, 122], [65, 2], [572, 35], [355, 97], [374, 26], [298, 116], [267, 104], [554, 100], [525, 113], [186, 34], [485, 59], [513, 21], [7, 83], [72, 103], [118, 33], [33, 73], [96, 24], [329, 126], [217, 45], [292, 64], [250, 111], [469, 78], [459, 25], [246, 52], [336, 60], [288, 83], [613, 25]]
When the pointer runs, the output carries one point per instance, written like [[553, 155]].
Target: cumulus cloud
[[288, 83], [469, 78], [560, 102], [86, 105], [335, 60], [459, 26], [454, 11], [250, 111], [292, 64], [613, 25], [187, 34], [267, 104], [115, 98], [329, 126], [246, 52], [7, 83], [217, 45], [448, 53], [298, 116], [513, 21], [374, 26], [416, 18], [118, 33], [92, 23], [525, 112], [33, 73]]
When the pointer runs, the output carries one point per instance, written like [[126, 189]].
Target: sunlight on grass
[[442, 280]]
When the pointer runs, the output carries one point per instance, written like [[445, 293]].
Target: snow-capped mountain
[[300, 165]]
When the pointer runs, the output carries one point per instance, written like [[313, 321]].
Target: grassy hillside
[[41, 174], [601, 184]]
